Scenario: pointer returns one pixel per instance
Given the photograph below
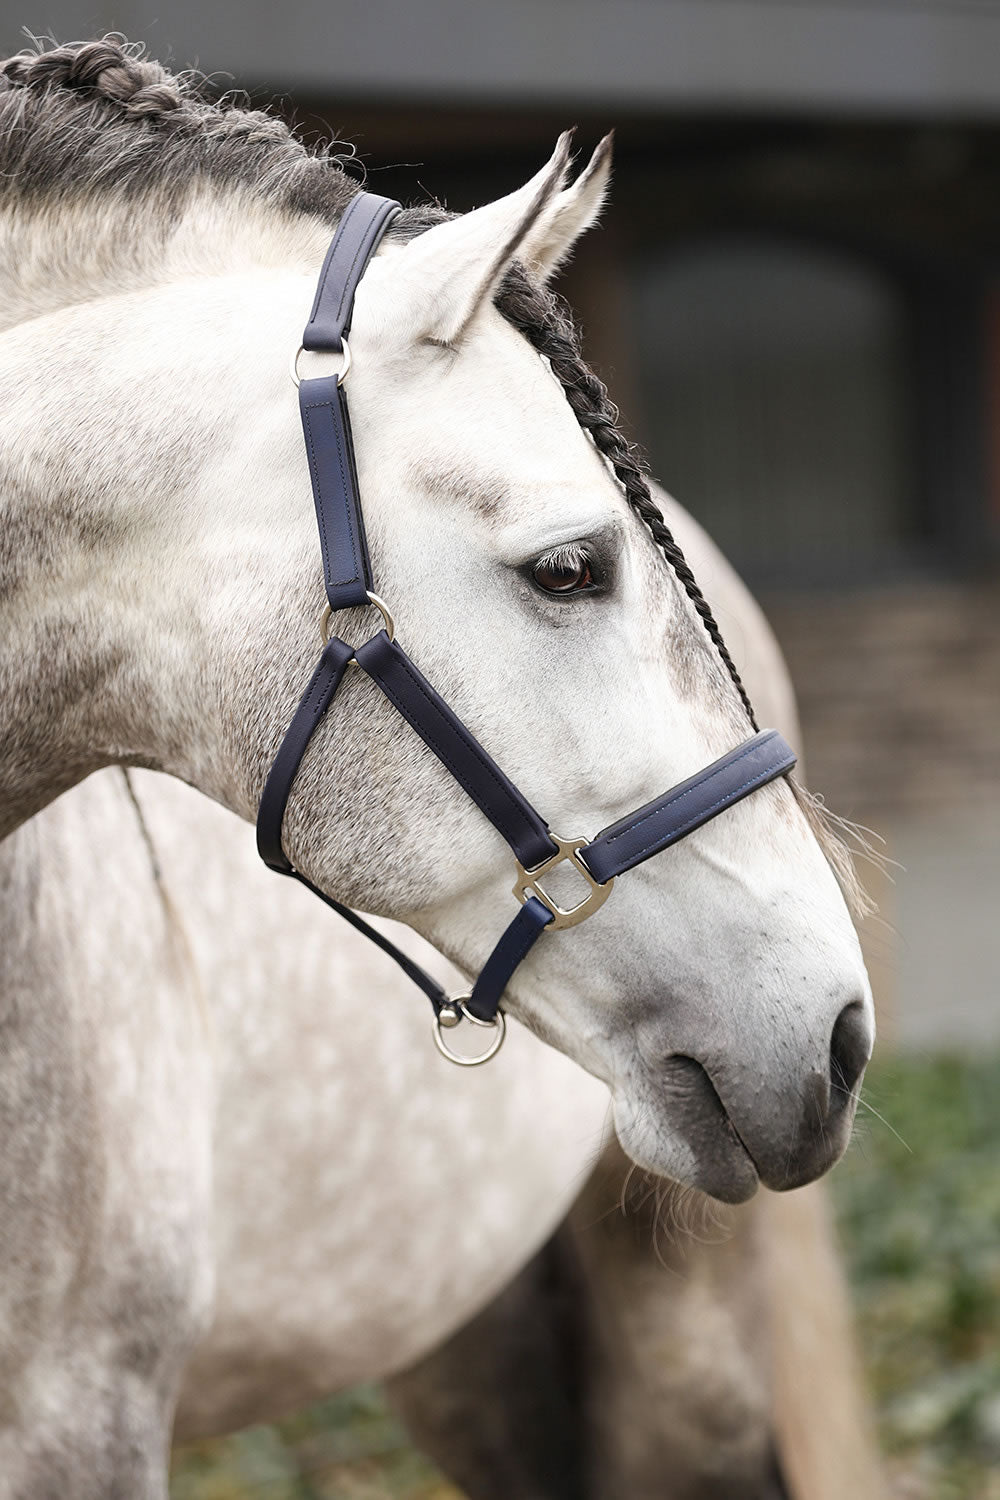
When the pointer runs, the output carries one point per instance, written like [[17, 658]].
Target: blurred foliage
[[919, 1206], [348, 1448]]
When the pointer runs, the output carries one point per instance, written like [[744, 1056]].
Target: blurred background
[[795, 299]]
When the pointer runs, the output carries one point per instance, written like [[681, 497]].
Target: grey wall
[[903, 57]]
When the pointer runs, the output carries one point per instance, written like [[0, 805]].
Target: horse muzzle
[[726, 1127]]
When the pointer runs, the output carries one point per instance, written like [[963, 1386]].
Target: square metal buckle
[[568, 850]]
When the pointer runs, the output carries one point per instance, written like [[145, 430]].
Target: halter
[[348, 576]]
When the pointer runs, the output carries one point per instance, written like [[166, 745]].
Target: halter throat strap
[[347, 577]]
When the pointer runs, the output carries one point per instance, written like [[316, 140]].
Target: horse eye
[[556, 576]]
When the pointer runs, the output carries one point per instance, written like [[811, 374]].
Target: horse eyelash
[[566, 555], [570, 555]]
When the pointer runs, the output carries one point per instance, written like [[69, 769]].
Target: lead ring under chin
[[450, 1015]]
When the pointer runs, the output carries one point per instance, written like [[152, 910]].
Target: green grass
[[918, 1201], [348, 1448], [919, 1213]]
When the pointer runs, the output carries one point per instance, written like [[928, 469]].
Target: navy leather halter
[[348, 577]]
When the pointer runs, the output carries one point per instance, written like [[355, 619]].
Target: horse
[[161, 591]]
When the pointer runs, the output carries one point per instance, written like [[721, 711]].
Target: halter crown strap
[[326, 425], [365, 220]]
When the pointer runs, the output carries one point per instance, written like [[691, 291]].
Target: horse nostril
[[850, 1049]]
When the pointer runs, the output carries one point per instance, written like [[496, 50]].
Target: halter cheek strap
[[511, 814], [348, 580]]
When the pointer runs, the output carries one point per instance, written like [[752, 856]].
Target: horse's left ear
[[569, 214], [442, 278]]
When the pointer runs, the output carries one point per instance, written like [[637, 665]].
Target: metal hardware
[[376, 603], [527, 884], [451, 1015], [341, 374]]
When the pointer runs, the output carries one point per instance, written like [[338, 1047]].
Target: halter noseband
[[348, 577]]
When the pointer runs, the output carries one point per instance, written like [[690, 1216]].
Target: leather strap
[[420, 977], [346, 568], [323, 406], [688, 805], [515, 945], [326, 427], [315, 701], [363, 224], [443, 732]]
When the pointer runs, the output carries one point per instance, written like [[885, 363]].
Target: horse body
[[365, 1204], [332, 1191], [106, 1192]]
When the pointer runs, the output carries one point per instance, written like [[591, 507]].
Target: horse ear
[[551, 238], [443, 277]]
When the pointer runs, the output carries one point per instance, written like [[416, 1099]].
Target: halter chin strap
[[348, 578]]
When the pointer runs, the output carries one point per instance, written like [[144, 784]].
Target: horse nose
[[850, 1049], [782, 1116], [807, 1127], [828, 1093]]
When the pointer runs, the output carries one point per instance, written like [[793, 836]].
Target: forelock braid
[[552, 332]]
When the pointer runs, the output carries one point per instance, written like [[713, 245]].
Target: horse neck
[[88, 675], [112, 601], [78, 252]]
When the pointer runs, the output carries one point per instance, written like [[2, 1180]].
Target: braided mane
[[99, 118]]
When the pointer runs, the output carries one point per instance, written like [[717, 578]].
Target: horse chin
[[687, 1136]]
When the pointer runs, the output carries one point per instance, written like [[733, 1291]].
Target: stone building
[[796, 301]]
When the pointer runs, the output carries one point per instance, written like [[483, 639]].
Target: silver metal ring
[[375, 602], [458, 1007], [341, 374]]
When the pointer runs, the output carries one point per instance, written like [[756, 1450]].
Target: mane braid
[[547, 324], [98, 116]]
